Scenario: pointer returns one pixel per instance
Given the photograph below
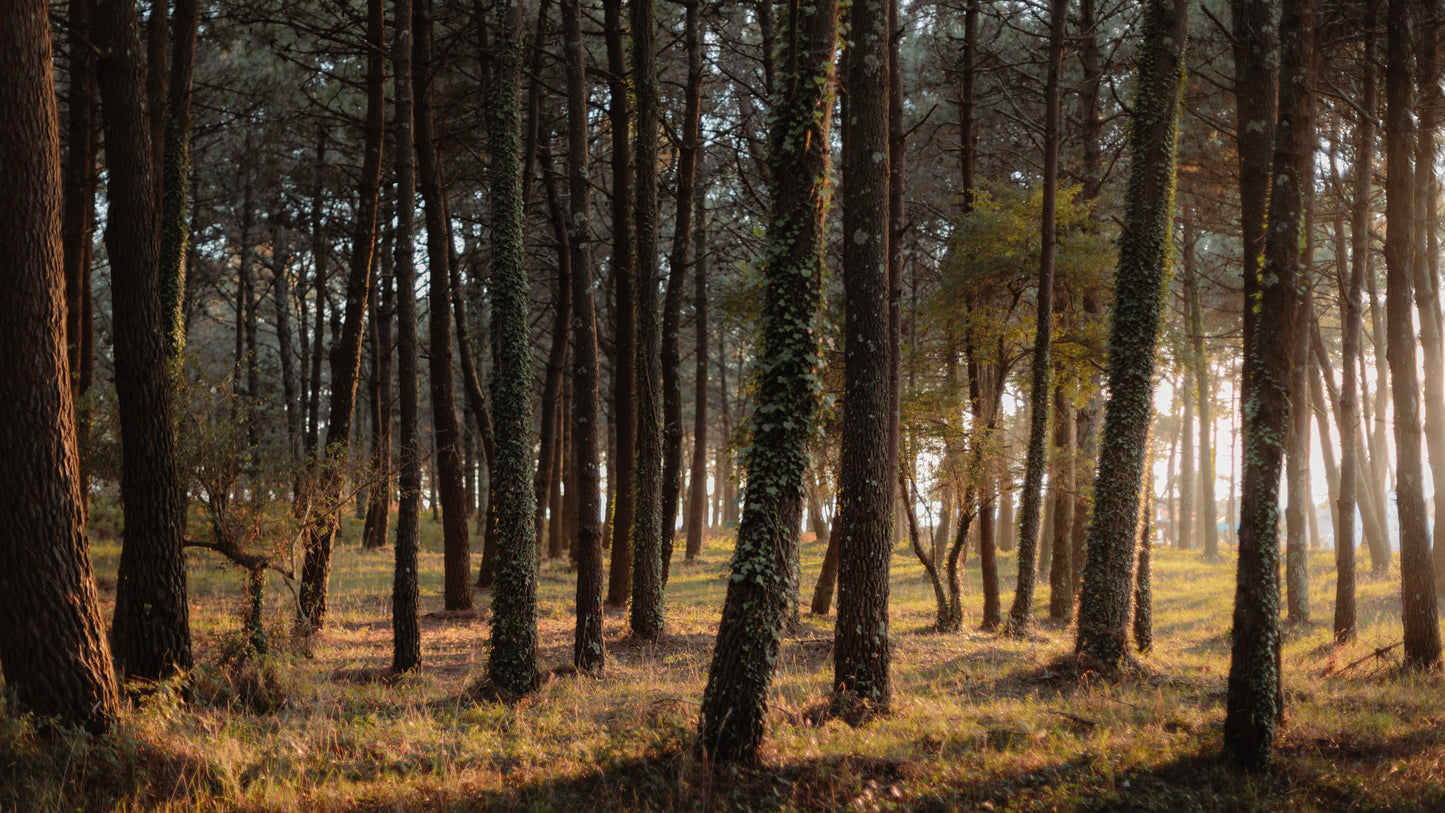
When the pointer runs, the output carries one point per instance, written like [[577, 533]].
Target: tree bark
[[151, 632], [52, 638], [645, 619], [861, 650], [697, 493], [734, 706], [1417, 579], [1021, 611], [1140, 286], [512, 667], [1254, 697], [176, 170]]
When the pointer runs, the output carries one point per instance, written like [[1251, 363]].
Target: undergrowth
[[979, 722]]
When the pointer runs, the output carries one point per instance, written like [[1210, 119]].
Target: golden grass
[[979, 721]]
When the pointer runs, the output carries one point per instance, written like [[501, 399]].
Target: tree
[[512, 667], [151, 634], [861, 653], [734, 705], [1417, 580], [456, 544], [645, 619], [346, 362], [406, 630], [1139, 290], [587, 648], [52, 637], [1040, 378], [175, 172], [1254, 698]]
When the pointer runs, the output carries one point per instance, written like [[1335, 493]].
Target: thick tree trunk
[[1254, 696], [151, 632], [512, 667], [1256, 77], [1140, 287], [861, 648], [734, 706], [52, 638], [1062, 489]]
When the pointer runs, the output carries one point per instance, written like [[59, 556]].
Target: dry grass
[[979, 721]]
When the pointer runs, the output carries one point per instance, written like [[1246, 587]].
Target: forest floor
[[979, 722]]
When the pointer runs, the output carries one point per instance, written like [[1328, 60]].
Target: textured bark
[[1143, 575], [823, 589], [175, 172], [52, 637], [151, 632], [624, 418], [1254, 698], [512, 667], [346, 359], [1061, 488], [552, 395], [1139, 286], [1256, 78], [734, 706], [677, 263], [1199, 361], [456, 542], [645, 619], [1040, 379], [587, 647], [1187, 468], [405, 598], [1417, 580], [861, 649]]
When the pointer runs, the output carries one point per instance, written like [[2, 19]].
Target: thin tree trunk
[[176, 169], [697, 497]]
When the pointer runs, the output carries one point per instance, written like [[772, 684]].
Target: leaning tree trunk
[[1040, 387], [52, 637], [151, 634], [1140, 284], [346, 360], [734, 706], [1417, 580], [1254, 698]]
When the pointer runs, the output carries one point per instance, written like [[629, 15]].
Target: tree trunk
[[861, 648], [1256, 77], [624, 420], [346, 361], [52, 638], [552, 396], [1140, 286], [1021, 611], [176, 170], [377, 527], [78, 223], [151, 631], [447, 471], [1417, 579], [677, 263], [1297, 460], [1254, 697], [645, 619], [587, 647], [697, 495], [1062, 489], [512, 667], [734, 706]]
